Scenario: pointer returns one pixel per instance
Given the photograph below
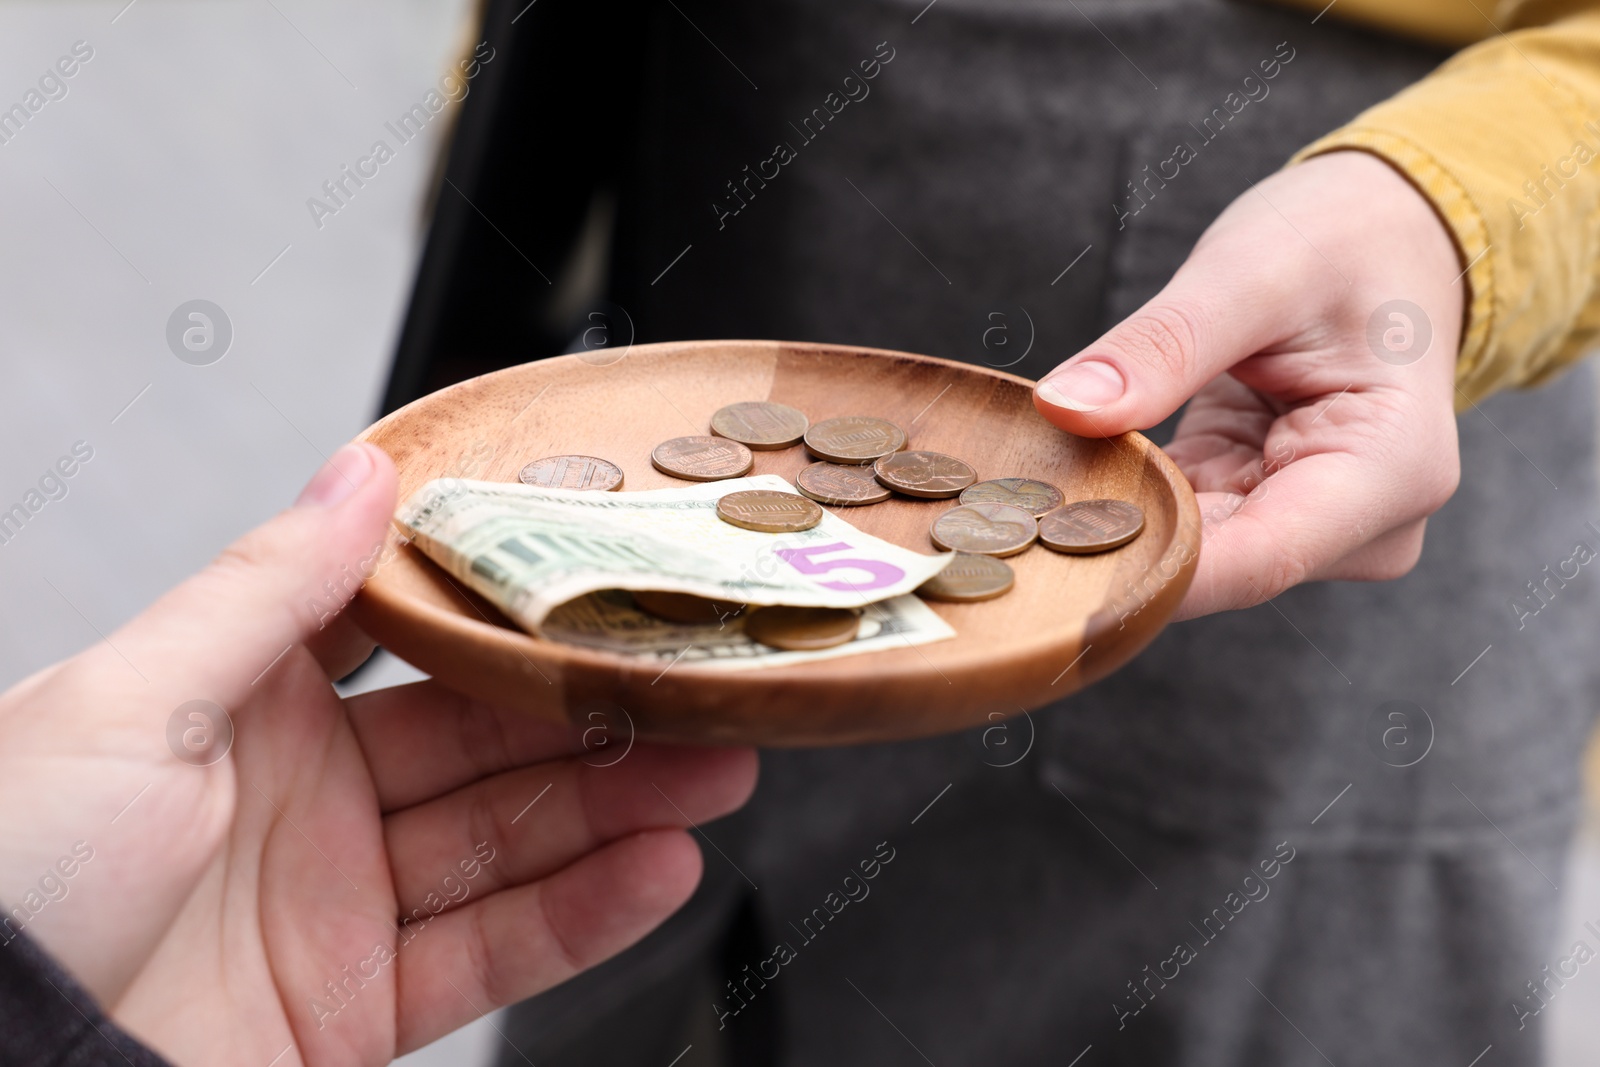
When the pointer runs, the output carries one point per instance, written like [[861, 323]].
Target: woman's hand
[[352, 878], [1315, 325]]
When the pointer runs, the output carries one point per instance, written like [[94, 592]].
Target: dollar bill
[[531, 549], [609, 621]]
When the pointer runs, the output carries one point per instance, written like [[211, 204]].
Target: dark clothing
[[1044, 907], [47, 1020]]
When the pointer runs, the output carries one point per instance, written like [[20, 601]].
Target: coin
[[768, 511], [702, 459], [854, 439], [930, 475], [986, 529], [1091, 526], [1029, 494], [760, 424], [571, 472], [969, 578], [802, 629], [838, 485], [684, 607]]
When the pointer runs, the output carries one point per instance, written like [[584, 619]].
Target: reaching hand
[[351, 878], [1315, 325]]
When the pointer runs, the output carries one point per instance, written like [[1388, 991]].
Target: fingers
[[1216, 311], [423, 740], [1335, 489], [1307, 521], [272, 588], [522, 941], [1221, 435], [538, 820], [1267, 542]]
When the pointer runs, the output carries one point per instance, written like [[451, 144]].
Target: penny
[[854, 439], [930, 475], [985, 529], [1029, 494], [802, 629], [1091, 526], [969, 578], [840, 486], [702, 459], [768, 511], [571, 472], [684, 607], [760, 424]]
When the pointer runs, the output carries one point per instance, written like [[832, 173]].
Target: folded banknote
[[530, 550]]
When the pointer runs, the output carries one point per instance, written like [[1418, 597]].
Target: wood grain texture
[[1069, 621]]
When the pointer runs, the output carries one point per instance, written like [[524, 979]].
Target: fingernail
[[339, 478], [1087, 385]]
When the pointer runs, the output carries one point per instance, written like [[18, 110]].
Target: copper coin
[[684, 607], [840, 486], [985, 529], [969, 578], [760, 424], [802, 629], [702, 459], [1029, 494], [854, 439], [930, 475], [571, 472], [1091, 526], [768, 511]]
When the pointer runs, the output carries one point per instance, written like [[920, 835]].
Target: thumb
[[1206, 319], [213, 635]]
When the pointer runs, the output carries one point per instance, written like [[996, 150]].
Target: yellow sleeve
[[1504, 139]]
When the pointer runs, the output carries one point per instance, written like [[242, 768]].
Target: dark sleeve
[[48, 1019]]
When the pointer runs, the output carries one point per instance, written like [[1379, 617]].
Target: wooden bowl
[[1069, 621]]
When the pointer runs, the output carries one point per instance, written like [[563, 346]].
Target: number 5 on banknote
[[804, 560]]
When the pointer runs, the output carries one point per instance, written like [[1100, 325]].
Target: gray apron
[[1329, 829]]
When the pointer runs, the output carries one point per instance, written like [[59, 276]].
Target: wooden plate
[[1069, 621]]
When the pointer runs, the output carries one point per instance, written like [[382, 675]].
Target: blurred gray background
[[177, 167]]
